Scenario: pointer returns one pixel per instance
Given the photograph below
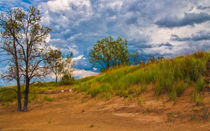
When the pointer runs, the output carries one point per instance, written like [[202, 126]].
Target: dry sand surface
[[75, 112]]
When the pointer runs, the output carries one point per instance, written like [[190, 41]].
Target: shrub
[[7, 94], [158, 88], [198, 99], [46, 98], [67, 80], [199, 84], [180, 87], [94, 89], [139, 101]]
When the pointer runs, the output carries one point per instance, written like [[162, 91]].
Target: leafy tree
[[109, 52], [135, 58], [60, 65], [54, 63], [29, 39], [67, 63], [10, 29]]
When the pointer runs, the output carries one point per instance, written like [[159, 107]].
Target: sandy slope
[[74, 112]]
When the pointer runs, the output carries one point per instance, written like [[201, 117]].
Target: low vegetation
[[170, 76]]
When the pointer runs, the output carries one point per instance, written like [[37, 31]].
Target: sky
[[152, 27]]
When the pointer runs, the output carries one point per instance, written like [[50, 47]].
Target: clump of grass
[[46, 98], [199, 84], [177, 90], [94, 89], [198, 98], [173, 95], [180, 87], [171, 114], [198, 88], [140, 101]]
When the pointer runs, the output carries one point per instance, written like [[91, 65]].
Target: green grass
[[7, 94], [171, 76], [168, 76], [46, 98]]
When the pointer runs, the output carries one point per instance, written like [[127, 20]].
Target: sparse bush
[[173, 94], [140, 101], [180, 87], [7, 94], [46, 98], [94, 90], [198, 99], [199, 84], [67, 80]]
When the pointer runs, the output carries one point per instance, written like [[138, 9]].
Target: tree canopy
[[24, 41], [109, 52]]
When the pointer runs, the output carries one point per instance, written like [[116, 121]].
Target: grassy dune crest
[[171, 76]]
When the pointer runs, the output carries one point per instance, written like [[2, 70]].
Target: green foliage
[[170, 76], [199, 84], [166, 76], [67, 80], [98, 88], [139, 101], [79, 81], [46, 98], [198, 88], [45, 84], [198, 98], [180, 86], [7, 94], [54, 62], [108, 52]]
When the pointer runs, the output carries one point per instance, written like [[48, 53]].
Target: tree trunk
[[26, 95], [17, 77], [19, 95], [56, 77], [27, 84]]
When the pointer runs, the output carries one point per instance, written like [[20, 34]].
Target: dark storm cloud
[[203, 7], [194, 37], [188, 19]]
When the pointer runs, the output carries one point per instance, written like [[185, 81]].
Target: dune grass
[[171, 76]]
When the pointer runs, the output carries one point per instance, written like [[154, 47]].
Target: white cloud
[[74, 36], [84, 73], [80, 23], [78, 58]]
